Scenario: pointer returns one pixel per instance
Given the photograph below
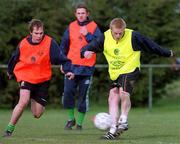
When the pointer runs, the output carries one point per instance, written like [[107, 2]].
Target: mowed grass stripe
[[159, 126]]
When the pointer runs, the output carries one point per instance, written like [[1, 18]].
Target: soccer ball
[[102, 121]]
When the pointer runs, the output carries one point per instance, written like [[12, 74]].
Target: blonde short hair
[[117, 23]]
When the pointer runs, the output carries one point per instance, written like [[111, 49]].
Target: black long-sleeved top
[[56, 57], [139, 43], [65, 43]]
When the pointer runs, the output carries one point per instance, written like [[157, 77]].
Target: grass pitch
[[159, 126]]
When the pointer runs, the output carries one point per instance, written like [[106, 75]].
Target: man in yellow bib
[[122, 48]]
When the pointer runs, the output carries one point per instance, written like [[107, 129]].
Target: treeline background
[[157, 19]]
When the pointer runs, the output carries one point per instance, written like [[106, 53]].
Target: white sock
[[122, 119], [113, 129]]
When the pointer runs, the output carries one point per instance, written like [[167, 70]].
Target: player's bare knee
[[124, 96], [113, 100], [22, 105], [109, 99]]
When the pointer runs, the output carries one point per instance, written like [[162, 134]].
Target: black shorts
[[38, 92], [126, 81]]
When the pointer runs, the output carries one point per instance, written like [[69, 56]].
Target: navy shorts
[[126, 81], [38, 92], [177, 60]]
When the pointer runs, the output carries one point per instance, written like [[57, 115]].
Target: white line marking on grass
[[167, 143], [41, 139]]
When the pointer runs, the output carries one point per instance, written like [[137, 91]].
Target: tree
[[156, 19]]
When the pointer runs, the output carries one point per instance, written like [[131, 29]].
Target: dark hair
[[35, 23], [81, 5]]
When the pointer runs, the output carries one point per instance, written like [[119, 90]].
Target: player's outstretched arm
[[94, 46]]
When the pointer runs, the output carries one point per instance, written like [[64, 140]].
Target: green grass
[[158, 126]]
